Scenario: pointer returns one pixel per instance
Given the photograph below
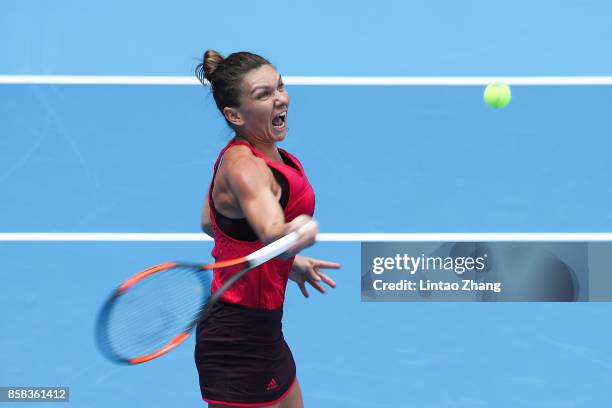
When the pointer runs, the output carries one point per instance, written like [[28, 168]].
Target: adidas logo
[[272, 385]]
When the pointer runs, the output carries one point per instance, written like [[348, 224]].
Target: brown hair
[[224, 75]]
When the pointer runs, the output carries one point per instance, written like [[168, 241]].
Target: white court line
[[310, 80], [325, 237]]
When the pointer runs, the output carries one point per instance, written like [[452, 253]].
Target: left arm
[[207, 227], [306, 269]]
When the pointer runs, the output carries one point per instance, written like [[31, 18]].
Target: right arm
[[250, 181]]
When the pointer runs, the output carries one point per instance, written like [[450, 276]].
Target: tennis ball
[[497, 95]]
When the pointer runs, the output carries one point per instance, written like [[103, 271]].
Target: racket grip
[[277, 247]]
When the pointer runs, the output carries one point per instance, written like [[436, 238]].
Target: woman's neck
[[267, 149]]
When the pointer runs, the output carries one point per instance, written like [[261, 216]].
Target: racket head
[[152, 312]]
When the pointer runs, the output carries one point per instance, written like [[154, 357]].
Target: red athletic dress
[[241, 355]]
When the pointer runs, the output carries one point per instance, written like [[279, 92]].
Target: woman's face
[[264, 101]]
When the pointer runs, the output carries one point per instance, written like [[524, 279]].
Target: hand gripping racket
[[154, 311]]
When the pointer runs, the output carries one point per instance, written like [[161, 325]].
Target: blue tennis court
[[382, 159]]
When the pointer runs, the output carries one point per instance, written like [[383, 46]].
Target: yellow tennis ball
[[497, 95]]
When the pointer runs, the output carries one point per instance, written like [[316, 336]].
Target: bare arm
[[250, 180], [207, 227]]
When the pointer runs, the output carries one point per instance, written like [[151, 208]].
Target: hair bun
[[211, 61]]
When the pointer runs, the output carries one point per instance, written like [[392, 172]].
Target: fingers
[[317, 286], [326, 264], [307, 229], [308, 225], [315, 277], [307, 234], [303, 289], [329, 281]]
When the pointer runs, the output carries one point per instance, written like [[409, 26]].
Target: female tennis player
[[258, 194]]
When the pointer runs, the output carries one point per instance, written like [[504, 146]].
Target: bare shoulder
[[237, 151], [243, 169]]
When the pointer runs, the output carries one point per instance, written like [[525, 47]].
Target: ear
[[233, 116]]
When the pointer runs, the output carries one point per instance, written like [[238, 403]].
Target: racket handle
[[278, 247], [263, 255]]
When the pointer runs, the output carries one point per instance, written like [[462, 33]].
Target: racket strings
[[155, 310]]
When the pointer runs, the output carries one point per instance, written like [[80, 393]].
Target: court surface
[[383, 159]]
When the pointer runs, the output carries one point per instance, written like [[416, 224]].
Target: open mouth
[[280, 120]]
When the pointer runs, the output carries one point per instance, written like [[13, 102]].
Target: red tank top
[[264, 286]]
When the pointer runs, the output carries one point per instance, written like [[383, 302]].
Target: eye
[[281, 86], [263, 95]]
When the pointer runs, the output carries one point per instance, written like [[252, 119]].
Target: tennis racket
[[154, 311]]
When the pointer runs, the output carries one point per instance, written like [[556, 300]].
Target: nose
[[281, 97]]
